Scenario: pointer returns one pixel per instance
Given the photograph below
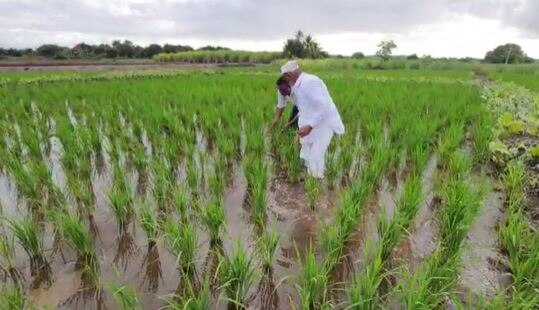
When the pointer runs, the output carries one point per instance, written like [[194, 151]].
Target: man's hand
[[305, 130]]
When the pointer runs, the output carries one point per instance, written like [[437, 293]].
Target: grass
[[213, 217], [8, 265], [26, 233], [181, 240], [267, 246], [13, 298], [236, 274], [78, 237], [312, 285], [312, 189], [125, 297]]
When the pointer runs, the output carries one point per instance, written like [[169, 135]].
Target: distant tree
[[508, 53], [213, 48], [303, 46], [385, 49], [358, 55], [83, 50], [412, 57], [49, 50], [124, 49], [169, 48], [14, 52], [151, 50]]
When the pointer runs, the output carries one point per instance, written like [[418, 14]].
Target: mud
[[478, 273], [421, 240]]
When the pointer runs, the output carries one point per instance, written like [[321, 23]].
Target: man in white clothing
[[318, 120], [283, 95]]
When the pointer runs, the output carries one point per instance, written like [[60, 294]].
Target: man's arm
[[281, 103]]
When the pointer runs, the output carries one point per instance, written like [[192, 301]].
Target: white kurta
[[316, 109]]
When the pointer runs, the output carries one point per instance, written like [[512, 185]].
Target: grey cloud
[[249, 19]]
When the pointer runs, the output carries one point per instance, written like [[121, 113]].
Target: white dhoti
[[313, 150]]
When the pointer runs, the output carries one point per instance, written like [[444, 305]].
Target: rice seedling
[[181, 240], [79, 239], [363, 294], [213, 217], [28, 237], [12, 298], [8, 266], [194, 299], [182, 203], [236, 274], [126, 298], [150, 225], [267, 246], [461, 206], [256, 174], [121, 204], [312, 285], [312, 189]]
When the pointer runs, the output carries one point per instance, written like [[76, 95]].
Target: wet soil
[[480, 272]]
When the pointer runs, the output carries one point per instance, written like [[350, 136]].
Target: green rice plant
[[256, 173], [267, 246], [181, 240], [79, 239], [150, 225], [450, 141], [194, 299], [162, 185], [237, 275], [12, 298], [120, 198], [461, 206], [182, 203], [363, 294], [213, 217], [519, 241], [312, 189], [27, 235], [430, 285], [332, 169], [125, 297], [8, 266], [312, 285]]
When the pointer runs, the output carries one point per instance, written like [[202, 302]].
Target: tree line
[[301, 45], [118, 49]]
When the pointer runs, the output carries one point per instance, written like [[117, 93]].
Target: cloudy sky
[[433, 27]]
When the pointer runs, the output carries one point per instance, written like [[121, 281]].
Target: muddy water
[[421, 240], [287, 208], [481, 271], [298, 225]]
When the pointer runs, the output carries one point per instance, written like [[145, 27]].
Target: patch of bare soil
[[481, 272]]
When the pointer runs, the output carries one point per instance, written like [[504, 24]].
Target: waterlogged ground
[[125, 256], [288, 211]]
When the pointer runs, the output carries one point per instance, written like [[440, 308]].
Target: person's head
[[283, 86], [290, 72]]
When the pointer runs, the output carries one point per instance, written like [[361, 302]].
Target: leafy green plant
[[27, 235], [237, 275], [126, 298], [213, 217]]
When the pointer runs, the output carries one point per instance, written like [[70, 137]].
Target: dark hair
[[281, 81]]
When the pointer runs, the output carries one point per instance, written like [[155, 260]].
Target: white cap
[[290, 66]]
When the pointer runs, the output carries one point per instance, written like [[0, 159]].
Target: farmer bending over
[[318, 119], [284, 95]]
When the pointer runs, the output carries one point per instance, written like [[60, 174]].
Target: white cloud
[[435, 27]]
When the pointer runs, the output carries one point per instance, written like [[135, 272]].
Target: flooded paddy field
[[172, 192]]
